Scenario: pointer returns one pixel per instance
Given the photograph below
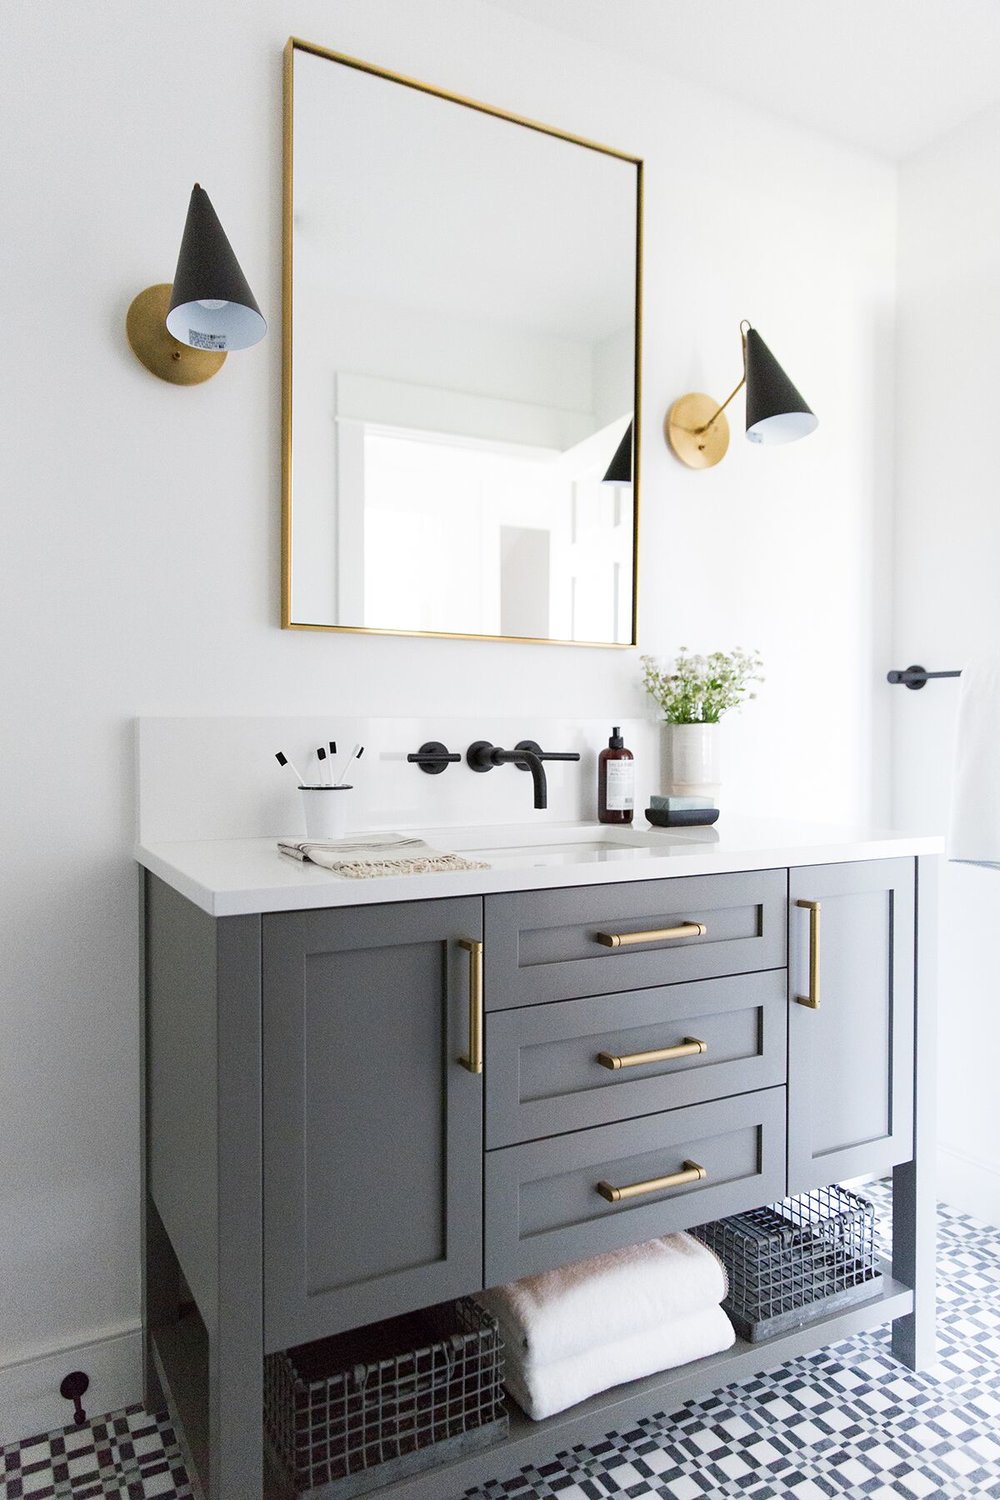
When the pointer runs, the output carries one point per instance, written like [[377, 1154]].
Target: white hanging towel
[[974, 825]]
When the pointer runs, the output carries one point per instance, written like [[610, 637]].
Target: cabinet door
[[850, 1062], [372, 1125]]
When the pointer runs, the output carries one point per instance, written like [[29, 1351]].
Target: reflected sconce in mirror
[[620, 467], [183, 332], [696, 428]]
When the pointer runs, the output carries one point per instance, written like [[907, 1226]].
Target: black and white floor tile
[[847, 1422], [129, 1454]]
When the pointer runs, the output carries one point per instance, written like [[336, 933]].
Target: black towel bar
[[916, 677]]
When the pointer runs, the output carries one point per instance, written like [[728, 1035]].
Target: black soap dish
[[682, 817]]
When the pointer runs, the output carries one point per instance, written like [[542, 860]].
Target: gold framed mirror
[[462, 314]]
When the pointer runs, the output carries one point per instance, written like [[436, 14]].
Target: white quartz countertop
[[233, 877]]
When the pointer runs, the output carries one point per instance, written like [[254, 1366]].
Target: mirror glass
[[462, 293]]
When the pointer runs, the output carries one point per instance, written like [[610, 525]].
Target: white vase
[[691, 760]]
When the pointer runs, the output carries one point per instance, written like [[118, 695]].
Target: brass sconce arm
[[720, 409], [734, 392]]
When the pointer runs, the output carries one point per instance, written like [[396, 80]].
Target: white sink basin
[[507, 845]]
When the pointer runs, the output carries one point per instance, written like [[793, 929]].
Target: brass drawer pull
[[474, 1061], [691, 1173], [688, 1048], [664, 934], [812, 999]]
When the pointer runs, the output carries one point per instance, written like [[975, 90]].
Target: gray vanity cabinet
[[850, 1059], [315, 1158], [372, 1127]]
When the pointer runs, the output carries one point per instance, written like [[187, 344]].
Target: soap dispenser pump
[[615, 781]]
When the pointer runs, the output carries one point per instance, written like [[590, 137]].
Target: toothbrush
[[321, 757], [284, 761], [355, 754]]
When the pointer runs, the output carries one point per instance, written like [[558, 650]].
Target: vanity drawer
[[543, 1206], [556, 945], [551, 1068]]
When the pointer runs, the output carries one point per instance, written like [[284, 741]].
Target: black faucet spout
[[533, 762], [526, 755]]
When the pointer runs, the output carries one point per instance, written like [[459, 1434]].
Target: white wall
[[141, 537], [948, 601]]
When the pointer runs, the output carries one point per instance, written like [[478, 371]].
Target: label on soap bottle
[[621, 785]]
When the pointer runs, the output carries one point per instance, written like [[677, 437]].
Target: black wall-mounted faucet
[[526, 755]]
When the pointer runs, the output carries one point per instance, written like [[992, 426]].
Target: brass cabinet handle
[[688, 1048], [663, 934], [691, 1173], [474, 1061], [812, 999]]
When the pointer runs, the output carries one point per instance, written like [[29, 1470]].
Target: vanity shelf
[[319, 1154], [181, 1355], [530, 1442]]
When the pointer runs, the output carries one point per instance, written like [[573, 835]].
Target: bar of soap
[[679, 804]]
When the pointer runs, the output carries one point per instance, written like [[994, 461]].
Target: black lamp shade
[[620, 467], [211, 305], [776, 413]]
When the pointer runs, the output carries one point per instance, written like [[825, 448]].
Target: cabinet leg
[[913, 1255], [236, 1398], [914, 1210], [160, 1297], [236, 1332]]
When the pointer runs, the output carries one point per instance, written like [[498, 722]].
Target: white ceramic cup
[[325, 808]]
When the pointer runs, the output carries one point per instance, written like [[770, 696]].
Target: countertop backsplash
[[217, 778]]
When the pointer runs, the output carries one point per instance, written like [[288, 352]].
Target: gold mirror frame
[[293, 45]]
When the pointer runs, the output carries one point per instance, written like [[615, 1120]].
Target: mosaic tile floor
[[846, 1421]]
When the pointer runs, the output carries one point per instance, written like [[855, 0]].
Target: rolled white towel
[[543, 1389], [562, 1312]]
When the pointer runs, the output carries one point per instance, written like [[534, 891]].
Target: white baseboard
[[969, 1184], [30, 1402]]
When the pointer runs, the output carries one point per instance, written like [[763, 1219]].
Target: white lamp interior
[[783, 427], [216, 325]]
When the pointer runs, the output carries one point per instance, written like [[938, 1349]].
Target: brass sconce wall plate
[[686, 429], [159, 351]]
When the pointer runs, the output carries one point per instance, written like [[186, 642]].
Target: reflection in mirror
[[461, 365]]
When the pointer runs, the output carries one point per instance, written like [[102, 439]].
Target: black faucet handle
[[536, 749], [433, 757]]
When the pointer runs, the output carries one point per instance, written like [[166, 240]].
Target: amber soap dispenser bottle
[[615, 781]]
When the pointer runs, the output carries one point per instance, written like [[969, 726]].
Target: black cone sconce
[[696, 428], [620, 467], [183, 332]]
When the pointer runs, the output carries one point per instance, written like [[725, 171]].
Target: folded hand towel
[[562, 1312], [368, 856], [544, 1389], [974, 829]]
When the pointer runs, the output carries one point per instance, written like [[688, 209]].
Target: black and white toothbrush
[[324, 766], [283, 760], [355, 754]]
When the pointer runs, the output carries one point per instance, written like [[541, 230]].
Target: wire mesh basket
[[796, 1260], [363, 1408]]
